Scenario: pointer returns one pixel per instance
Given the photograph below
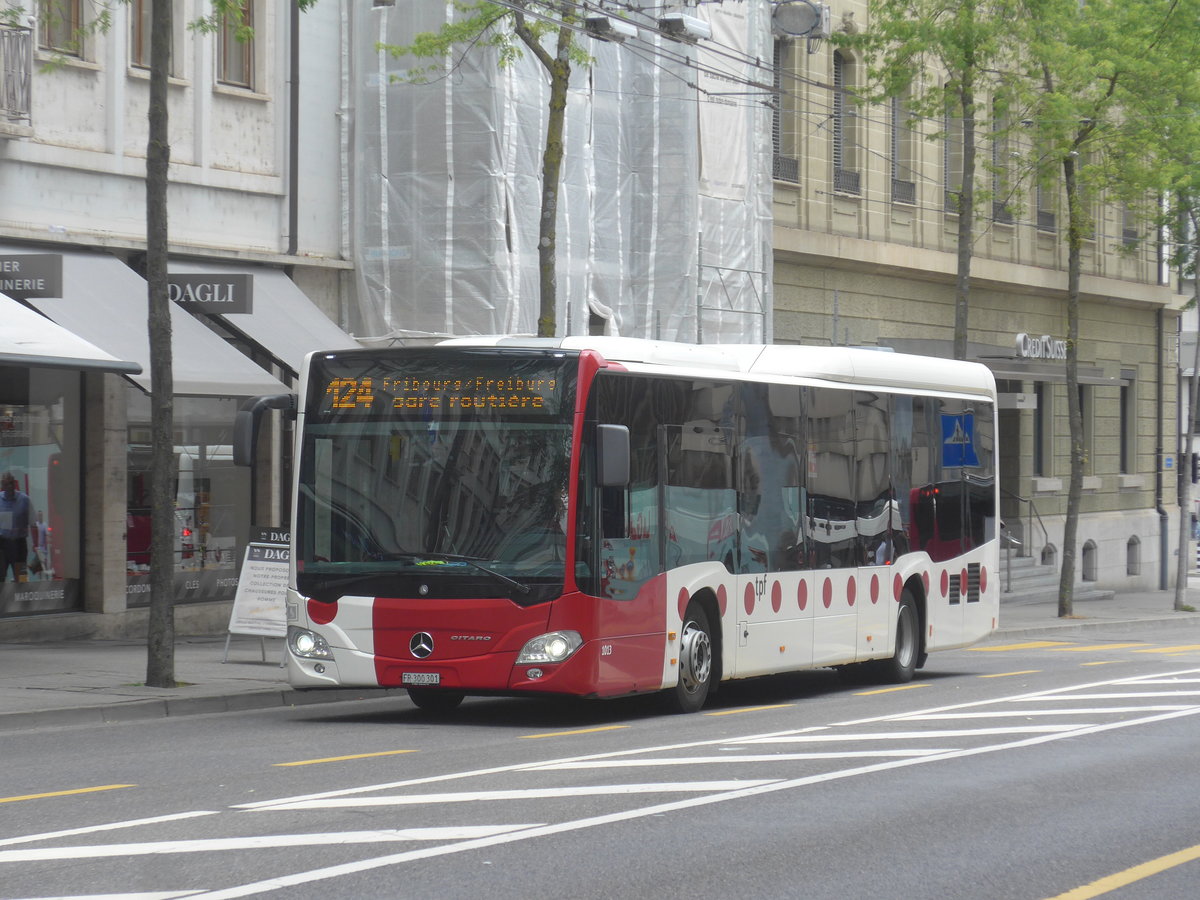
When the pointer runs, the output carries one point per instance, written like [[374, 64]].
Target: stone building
[[865, 240]]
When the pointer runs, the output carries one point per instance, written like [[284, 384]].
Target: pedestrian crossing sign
[[958, 441]]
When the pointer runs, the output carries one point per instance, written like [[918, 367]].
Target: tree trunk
[[1066, 582], [552, 158], [160, 645], [966, 213], [1185, 449]]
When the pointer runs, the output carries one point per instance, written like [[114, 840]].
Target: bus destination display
[[346, 394]]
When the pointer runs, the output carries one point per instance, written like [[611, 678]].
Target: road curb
[[129, 711]]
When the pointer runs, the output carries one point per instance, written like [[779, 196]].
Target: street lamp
[[606, 28], [682, 27]]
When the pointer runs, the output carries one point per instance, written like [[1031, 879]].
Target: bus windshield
[[440, 475]]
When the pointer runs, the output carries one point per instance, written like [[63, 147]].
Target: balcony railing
[[16, 75], [786, 168], [903, 191], [846, 181]]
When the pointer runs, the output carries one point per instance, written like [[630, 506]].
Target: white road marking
[[112, 826], [260, 842], [1127, 695], [913, 735], [743, 758], [364, 865], [1010, 713], [600, 790]]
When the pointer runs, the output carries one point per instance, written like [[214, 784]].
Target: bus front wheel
[[434, 699], [695, 661]]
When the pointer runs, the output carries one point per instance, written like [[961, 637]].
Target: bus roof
[[849, 365]]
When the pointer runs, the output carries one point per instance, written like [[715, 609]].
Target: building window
[[41, 418], [59, 27], [140, 32], [235, 48], [1091, 561], [1129, 230], [1087, 420], [209, 511], [1128, 413], [1133, 556], [846, 177], [1043, 429], [904, 187], [952, 155], [1001, 169], [1045, 209], [785, 162]]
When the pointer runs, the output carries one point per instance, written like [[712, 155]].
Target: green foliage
[[480, 23]]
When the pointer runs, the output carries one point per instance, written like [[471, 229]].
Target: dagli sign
[[1044, 347]]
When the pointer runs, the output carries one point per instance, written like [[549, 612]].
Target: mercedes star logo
[[421, 644]]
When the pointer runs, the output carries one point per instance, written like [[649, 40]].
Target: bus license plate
[[421, 678]]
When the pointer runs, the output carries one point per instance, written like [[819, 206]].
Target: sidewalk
[[98, 682]]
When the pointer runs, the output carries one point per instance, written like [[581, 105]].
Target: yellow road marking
[[745, 709], [1097, 647], [1129, 876], [1102, 662], [91, 790], [1029, 645], [551, 734], [1010, 674], [903, 687], [328, 759], [1180, 649]]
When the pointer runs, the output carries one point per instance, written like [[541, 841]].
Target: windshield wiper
[[473, 561]]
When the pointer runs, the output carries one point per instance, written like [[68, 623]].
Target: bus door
[[774, 611], [830, 526]]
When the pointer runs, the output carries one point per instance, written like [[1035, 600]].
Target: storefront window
[[211, 505], [40, 424]]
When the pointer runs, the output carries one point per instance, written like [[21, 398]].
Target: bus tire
[[908, 654], [434, 699], [695, 661]]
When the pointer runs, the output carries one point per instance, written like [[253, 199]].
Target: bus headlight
[[550, 648], [308, 644]]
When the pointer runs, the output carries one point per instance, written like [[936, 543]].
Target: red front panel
[[475, 642]]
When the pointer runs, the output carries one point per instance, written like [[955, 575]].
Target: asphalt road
[[1021, 770]]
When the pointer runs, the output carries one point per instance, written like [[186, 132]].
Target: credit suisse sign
[[209, 293], [1044, 347]]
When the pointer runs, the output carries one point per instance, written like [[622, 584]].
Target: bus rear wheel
[[695, 661], [907, 656], [434, 700]]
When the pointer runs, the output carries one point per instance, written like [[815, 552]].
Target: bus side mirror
[[245, 424], [612, 455]]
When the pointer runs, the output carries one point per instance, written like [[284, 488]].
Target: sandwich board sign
[[259, 607]]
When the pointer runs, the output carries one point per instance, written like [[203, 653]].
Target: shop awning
[[104, 302], [282, 320], [29, 338]]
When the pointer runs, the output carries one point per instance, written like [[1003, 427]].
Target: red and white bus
[[600, 517]]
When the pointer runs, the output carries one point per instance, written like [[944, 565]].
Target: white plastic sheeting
[[664, 209]]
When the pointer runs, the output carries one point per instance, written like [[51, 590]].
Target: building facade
[[258, 267], [865, 238], [328, 199]]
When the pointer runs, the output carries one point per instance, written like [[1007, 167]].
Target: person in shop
[[14, 528]]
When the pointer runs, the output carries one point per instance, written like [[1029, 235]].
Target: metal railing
[[16, 73], [1025, 547]]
